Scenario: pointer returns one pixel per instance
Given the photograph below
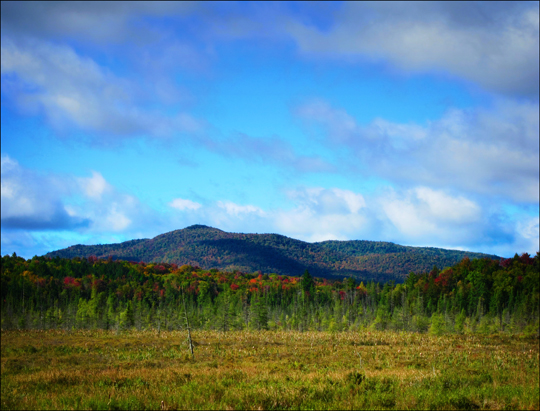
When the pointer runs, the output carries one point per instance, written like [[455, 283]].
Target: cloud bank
[[477, 151], [419, 216], [492, 44], [71, 90], [37, 202], [33, 202]]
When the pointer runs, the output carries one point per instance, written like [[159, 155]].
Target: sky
[[410, 122]]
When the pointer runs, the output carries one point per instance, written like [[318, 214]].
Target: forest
[[472, 296]]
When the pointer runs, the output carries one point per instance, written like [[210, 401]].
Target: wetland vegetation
[[100, 369]]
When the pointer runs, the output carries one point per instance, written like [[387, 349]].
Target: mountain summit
[[209, 247]]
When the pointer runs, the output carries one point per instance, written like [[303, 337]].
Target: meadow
[[98, 369]]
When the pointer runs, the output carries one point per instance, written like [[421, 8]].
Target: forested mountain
[[208, 247]]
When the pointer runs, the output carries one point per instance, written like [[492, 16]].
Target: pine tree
[[126, 317], [460, 322], [307, 282], [437, 324]]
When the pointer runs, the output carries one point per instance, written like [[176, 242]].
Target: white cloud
[[116, 219], [323, 214], [94, 186], [239, 210], [407, 221], [354, 201], [7, 163], [74, 90], [422, 213], [456, 210], [35, 202], [8, 189], [305, 224], [328, 201], [112, 211], [419, 216], [31, 201], [342, 128], [493, 152], [184, 204], [528, 236], [494, 45]]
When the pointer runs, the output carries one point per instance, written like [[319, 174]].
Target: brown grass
[[267, 370]]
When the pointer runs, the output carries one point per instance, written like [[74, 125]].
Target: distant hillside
[[208, 247]]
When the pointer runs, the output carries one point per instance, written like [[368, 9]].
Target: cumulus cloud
[[422, 214], [324, 214], [114, 212], [116, 218], [73, 90], [419, 216], [528, 234], [493, 44], [487, 151], [94, 186], [328, 201], [455, 210], [33, 202], [231, 216]]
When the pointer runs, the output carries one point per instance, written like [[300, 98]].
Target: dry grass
[[267, 370]]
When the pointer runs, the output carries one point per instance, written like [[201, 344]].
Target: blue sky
[[415, 123]]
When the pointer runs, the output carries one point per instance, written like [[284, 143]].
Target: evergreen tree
[[437, 324], [126, 319], [460, 321]]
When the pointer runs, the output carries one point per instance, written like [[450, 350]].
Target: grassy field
[[267, 370]]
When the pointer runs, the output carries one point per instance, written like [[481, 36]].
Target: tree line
[[479, 295]]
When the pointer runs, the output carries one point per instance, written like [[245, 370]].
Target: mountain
[[208, 247]]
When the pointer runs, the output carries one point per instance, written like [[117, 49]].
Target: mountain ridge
[[209, 247]]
